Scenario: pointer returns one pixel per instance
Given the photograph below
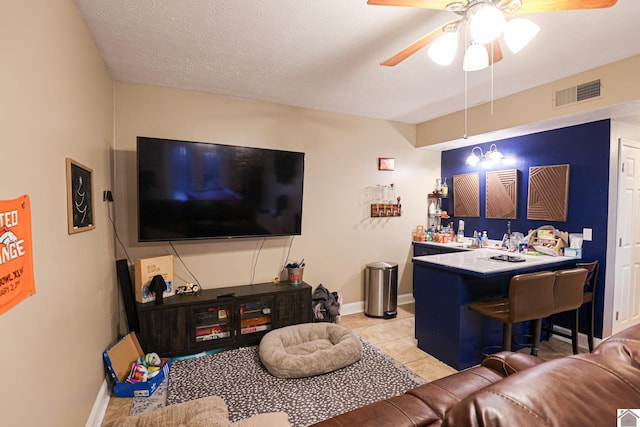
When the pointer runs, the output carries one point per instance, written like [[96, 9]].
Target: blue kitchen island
[[445, 284]]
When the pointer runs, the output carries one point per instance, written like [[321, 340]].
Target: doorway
[[626, 300]]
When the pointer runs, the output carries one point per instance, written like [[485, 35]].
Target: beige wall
[[338, 236], [620, 86], [56, 102]]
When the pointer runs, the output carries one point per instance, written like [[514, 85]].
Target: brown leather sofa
[[517, 389]]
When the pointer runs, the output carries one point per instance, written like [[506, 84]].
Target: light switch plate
[[587, 234]]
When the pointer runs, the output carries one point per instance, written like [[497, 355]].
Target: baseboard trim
[[358, 307], [582, 338], [99, 406]]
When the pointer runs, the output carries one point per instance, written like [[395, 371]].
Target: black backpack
[[325, 305]]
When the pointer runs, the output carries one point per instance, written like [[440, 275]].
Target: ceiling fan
[[480, 24]]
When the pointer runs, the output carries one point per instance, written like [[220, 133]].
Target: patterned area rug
[[238, 377]]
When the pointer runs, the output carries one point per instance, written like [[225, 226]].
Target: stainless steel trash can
[[381, 289]]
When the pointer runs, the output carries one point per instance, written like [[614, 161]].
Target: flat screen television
[[195, 190]]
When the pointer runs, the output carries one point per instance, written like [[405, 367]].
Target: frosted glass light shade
[[476, 58], [487, 24], [494, 153], [472, 159], [444, 48], [519, 32]]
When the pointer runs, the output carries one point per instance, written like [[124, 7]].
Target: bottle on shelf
[[432, 207], [444, 188]]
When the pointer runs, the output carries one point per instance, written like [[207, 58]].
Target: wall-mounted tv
[[195, 190]]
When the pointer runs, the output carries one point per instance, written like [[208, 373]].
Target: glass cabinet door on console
[[212, 322], [255, 316]]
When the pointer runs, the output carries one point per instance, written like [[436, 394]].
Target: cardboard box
[[119, 358], [145, 269]]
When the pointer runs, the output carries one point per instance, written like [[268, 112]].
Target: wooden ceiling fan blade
[[424, 4], [497, 51], [415, 46], [531, 6]]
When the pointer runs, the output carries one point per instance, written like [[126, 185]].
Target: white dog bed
[[309, 349]]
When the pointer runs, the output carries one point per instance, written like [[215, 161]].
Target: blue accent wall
[[586, 149]]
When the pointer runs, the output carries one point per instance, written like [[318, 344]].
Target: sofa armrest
[[579, 390], [625, 346], [507, 362]]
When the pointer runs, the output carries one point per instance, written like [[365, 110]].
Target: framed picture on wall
[[548, 193], [386, 163], [466, 195], [79, 197], [501, 194]]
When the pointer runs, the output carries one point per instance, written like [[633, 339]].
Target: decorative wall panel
[[466, 195], [501, 194], [548, 192]]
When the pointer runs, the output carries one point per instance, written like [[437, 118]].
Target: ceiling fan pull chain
[[466, 104]]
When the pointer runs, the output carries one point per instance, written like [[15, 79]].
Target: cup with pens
[[294, 272]]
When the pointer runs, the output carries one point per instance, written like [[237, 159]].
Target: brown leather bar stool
[[530, 299], [568, 295], [589, 296]]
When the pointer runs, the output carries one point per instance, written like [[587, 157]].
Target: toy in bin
[[144, 368], [134, 372]]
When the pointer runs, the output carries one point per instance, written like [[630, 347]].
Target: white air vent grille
[[576, 94]]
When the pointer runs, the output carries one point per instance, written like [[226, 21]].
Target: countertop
[[478, 262]]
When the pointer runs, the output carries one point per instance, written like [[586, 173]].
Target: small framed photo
[[386, 163], [79, 197]]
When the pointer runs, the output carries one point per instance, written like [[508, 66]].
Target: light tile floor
[[396, 338]]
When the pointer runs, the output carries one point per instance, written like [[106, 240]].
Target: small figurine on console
[[188, 288]]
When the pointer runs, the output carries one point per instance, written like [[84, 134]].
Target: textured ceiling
[[325, 54]]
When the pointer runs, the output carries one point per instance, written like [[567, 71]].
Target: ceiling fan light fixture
[[487, 23], [475, 58], [444, 48], [519, 32]]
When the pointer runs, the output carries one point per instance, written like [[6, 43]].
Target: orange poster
[[16, 252]]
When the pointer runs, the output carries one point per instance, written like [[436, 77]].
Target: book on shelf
[[205, 333], [212, 336], [255, 321], [252, 329]]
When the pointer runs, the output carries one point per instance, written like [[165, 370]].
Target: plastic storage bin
[[381, 289]]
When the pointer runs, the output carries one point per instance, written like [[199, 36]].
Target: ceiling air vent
[[577, 94]]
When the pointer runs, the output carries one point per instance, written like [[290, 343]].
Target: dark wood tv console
[[221, 318]]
